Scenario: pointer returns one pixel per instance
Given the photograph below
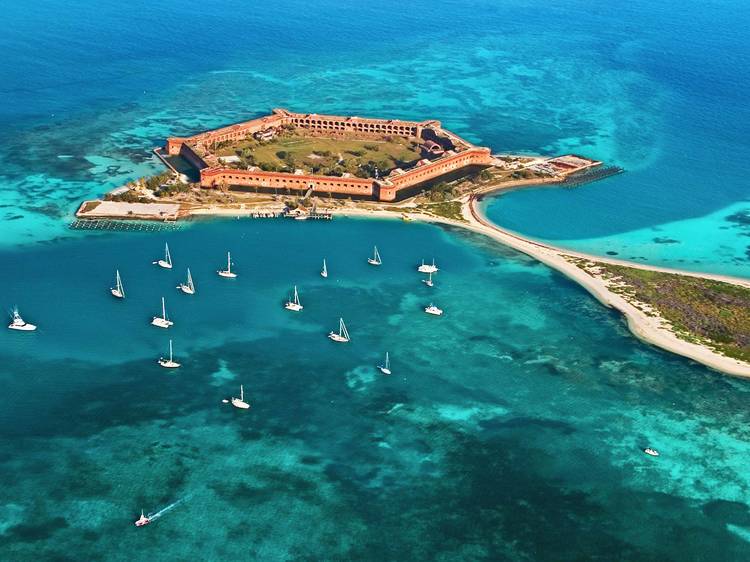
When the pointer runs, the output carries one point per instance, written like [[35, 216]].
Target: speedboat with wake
[[142, 521]]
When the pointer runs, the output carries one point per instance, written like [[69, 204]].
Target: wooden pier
[[591, 175]]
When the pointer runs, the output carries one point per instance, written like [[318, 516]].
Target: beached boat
[[188, 287], [428, 281], [162, 321], [428, 268], [240, 402], [294, 304], [166, 261], [434, 310], [118, 290], [169, 363], [142, 520], [18, 323], [375, 259], [343, 335], [228, 271], [386, 368], [324, 271]]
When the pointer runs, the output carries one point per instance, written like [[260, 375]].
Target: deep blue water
[[512, 426]]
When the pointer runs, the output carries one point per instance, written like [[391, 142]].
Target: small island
[[310, 166]]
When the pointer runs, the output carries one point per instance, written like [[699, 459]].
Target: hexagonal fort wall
[[397, 185]]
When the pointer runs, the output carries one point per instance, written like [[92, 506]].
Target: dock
[[123, 225], [591, 175]]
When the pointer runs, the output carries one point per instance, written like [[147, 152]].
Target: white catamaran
[[240, 402], [228, 271], [162, 321], [343, 335], [19, 324], [166, 262], [386, 369], [427, 268], [375, 259], [324, 271], [294, 304], [188, 287], [169, 363], [118, 290]]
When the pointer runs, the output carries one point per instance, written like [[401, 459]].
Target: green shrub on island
[[170, 189]]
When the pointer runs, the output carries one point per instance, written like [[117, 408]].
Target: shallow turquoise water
[[511, 424]]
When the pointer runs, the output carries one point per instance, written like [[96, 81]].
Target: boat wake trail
[[169, 507]]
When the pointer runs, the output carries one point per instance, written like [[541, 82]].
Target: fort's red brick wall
[[196, 150], [214, 177]]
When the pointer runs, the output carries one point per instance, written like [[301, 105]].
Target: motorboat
[[651, 452], [434, 310], [18, 323], [142, 520]]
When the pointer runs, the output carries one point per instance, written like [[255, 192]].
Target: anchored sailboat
[[294, 304], [428, 281], [228, 271], [240, 402], [386, 369], [169, 363], [188, 287], [162, 321], [375, 259], [118, 290], [166, 263], [343, 335], [427, 268], [434, 310], [19, 324], [324, 271]]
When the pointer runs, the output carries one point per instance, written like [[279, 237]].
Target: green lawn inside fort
[[323, 156]]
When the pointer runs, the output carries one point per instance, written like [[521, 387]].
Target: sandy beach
[[650, 329]]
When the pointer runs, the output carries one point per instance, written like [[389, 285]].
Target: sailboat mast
[[242, 394], [163, 309], [170, 351], [229, 262]]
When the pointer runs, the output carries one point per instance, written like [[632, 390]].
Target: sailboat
[[343, 335], [240, 402], [386, 369], [228, 271], [324, 271], [142, 520], [427, 268], [166, 263], [188, 287], [169, 363], [434, 310], [375, 259], [428, 281], [118, 290], [294, 304], [19, 324], [162, 321]]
